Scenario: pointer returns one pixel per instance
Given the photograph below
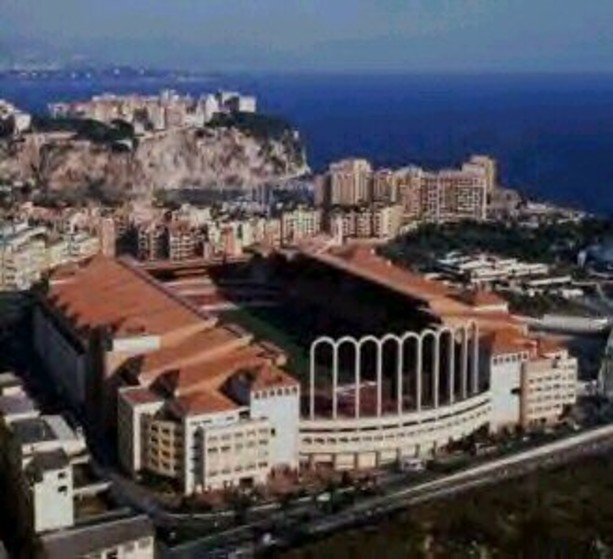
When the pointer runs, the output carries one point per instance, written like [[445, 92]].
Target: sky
[[317, 35]]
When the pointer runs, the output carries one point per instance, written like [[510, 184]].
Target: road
[[240, 540]]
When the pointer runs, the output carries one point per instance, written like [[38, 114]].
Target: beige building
[[369, 222], [151, 241], [348, 182], [548, 388], [448, 194], [300, 223], [182, 241]]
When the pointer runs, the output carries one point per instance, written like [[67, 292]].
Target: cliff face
[[166, 160]]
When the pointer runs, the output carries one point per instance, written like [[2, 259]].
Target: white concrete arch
[[434, 334], [357, 374], [469, 345], [324, 340], [418, 368], [449, 334]]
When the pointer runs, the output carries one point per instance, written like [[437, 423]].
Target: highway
[[241, 542]]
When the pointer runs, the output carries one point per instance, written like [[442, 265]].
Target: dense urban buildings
[[156, 113], [448, 194], [27, 253]]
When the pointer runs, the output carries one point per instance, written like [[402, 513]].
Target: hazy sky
[[319, 35]]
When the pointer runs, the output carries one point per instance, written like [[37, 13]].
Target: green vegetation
[[555, 243], [87, 129], [253, 124], [541, 304], [7, 127], [563, 513], [268, 324]]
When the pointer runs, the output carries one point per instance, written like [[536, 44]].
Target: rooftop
[[111, 293], [444, 303], [16, 405], [32, 431], [204, 401], [93, 538], [9, 380]]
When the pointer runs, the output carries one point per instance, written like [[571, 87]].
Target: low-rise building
[[481, 269]]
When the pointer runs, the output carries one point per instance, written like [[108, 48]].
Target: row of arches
[[392, 374]]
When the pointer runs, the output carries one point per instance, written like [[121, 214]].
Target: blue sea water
[[552, 134]]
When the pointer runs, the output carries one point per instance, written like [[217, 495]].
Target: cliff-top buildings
[[166, 110]]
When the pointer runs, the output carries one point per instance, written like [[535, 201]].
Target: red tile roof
[[202, 402], [109, 292]]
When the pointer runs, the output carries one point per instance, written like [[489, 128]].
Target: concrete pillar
[[451, 367], [437, 370], [379, 380], [475, 359], [312, 381], [358, 382], [400, 367], [464, 371], [419, 371], [335, 382]]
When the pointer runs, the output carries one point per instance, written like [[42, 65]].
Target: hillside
[[233, 152]]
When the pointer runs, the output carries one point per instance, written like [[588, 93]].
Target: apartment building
[[183, 241], [548, 388], [347, 183], [300, 223], [367, 222], [28, 253], [151, 241], [384, 187], [488, 165], [448, 194]]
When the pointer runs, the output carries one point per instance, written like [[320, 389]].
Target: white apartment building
[[300, 223]]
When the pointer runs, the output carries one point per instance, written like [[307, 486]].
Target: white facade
[[53, 499], [505, 384], [281, 406]]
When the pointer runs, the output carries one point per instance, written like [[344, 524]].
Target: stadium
[[390, 364]]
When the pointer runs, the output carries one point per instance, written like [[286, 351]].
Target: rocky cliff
[[208, 157]]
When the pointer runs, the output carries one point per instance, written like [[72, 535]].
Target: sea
[[552, 134]]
